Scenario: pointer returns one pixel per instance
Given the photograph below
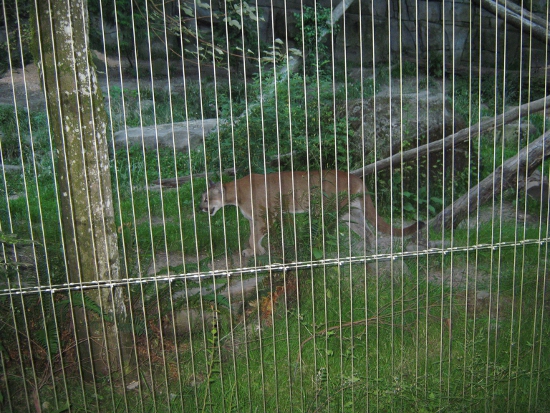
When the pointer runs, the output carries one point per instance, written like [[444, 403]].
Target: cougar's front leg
[[257, 233]]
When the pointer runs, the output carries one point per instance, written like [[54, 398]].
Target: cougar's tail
[[372, 216]]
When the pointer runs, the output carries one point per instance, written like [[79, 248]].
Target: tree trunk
[[78, 124], [504, 177]]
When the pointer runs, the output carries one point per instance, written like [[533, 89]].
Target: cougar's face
[[212, 200]]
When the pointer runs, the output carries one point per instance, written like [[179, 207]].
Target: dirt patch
[[459, 276], [504, 212], [22, 88]]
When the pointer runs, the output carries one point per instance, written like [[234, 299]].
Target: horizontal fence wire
[[271, 268]]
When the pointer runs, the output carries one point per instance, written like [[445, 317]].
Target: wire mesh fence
[[274, 205]]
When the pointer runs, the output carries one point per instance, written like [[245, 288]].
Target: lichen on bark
[[78, 124]]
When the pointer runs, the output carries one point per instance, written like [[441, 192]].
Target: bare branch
[[504, 177], [520, 18], [456, 138]]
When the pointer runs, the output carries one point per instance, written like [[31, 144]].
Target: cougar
[[260, 196]]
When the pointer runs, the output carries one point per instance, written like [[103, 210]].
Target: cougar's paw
[[247, 253]]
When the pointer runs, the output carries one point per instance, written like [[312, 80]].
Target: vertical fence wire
[[333, 320], [541, 287], [30, 382]]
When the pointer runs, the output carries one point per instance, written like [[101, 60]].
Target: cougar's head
[[212, 199]]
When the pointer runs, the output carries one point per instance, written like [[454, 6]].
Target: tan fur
[[258, 196]]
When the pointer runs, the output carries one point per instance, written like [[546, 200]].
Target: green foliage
[[47, 337], [418, 192], [212, 359], [129, 19], [435, 65], [416, 203], [46, 319], [311, 24], [10, 129], [362, 342], [216, 300], [126, 108], [233, 39], [405, 69], [289, 121], [82, 300], [488, 95], [48, 333], [139, 168], [13, 239], [238, 37], [402, 350], [374, 343], [15, 130]]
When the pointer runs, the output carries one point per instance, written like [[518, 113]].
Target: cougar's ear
[[210, 183]]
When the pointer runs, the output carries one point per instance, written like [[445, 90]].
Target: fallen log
[[504, 177], [522, 19], [456, 138]]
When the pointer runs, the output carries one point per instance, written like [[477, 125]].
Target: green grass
[[387, 364], [314, 352], [195, 103]]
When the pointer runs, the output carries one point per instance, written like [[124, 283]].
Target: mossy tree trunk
[[78, 124]]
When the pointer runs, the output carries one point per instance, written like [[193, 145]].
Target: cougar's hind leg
[[355, 219], [257, 233]]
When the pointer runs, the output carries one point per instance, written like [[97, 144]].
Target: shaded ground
[[23, 87]]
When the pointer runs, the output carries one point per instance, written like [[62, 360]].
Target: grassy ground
[[343, 339]]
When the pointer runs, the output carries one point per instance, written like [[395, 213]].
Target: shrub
[[292, 120], [311, 25]]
